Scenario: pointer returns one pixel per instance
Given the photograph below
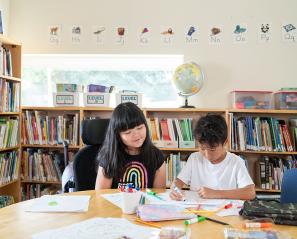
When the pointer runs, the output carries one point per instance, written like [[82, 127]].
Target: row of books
[[5, 61], [260, 134], [40, 128], [171, 129], [9, 132], [270, 171], [9, 169], [40, 166], [9, 96], [6, 200], [30, 191], [174, 165]]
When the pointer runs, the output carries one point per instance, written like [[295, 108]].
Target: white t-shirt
[[229, 174]]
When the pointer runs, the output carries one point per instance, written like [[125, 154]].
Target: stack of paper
[[58, 203], [107, 228]]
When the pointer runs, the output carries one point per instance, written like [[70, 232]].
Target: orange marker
[[257, 225]]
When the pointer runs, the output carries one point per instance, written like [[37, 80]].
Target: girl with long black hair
[[127, 154]]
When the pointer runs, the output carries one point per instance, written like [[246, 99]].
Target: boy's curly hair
[[211, 130]]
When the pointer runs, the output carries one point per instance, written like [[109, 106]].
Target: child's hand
[[178, 196], [205, 192]]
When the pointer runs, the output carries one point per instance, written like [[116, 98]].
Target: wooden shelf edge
[[263, 152], [11, 78], [9, 149], [267, 190], [7, 184], [258, 111], [40, 182], [48, 146], [9, 113], [7, 41]]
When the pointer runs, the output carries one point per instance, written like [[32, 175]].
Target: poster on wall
[[289, 32], [54, 32], [120, 35], [167, 35], [239, 33], [215, 35], [144, 35], [98, 34], [76, 34], [192, 35], [264, 32]]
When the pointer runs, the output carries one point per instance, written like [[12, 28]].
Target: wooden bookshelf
[[272, 157], [195, 114], [10, 75]]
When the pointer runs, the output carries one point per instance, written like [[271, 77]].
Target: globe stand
[[186, 103]]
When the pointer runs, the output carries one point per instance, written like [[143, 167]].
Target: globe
[[188, 80]]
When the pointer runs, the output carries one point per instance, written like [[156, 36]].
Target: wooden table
[[16, 223]]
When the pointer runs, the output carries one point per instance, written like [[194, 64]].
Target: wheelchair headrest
[[93, 131]]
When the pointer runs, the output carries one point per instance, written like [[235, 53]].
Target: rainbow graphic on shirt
[[136, 173]]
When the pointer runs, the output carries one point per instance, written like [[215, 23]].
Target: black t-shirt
[[136, 172]]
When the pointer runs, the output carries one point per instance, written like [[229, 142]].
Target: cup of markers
[[130, 198]]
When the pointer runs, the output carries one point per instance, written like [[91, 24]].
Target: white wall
[[5, 10], [249, 66]]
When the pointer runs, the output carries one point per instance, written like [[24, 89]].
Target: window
[[148, 74]]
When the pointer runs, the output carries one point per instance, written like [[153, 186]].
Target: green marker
[[194, 220], [150, 192]]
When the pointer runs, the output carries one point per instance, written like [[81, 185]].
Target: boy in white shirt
[[213, 172]]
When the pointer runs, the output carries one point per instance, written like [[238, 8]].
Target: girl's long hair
[[111, 156]]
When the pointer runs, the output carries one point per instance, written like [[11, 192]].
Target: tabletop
[[15, 222]]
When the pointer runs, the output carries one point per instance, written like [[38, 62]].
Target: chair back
[[289, 187], [84, 162]]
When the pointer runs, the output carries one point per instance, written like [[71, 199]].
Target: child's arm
[[175, 195], [246, 193], [102, 182], [160, 177]]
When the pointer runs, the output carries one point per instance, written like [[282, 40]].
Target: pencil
[[216, 221], [151, 224]]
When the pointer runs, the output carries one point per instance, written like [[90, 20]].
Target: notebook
[[162, 212]]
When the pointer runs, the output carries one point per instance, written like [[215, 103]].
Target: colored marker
[[176, 189], [228, 206], [150, 192], [194, 220], [257, 225]]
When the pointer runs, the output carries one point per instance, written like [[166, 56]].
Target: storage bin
[[135, 98], [250, 99], [285, 100], [66, 99], [96, 99]]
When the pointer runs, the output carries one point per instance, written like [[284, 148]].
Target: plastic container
[[251, 99], [96, 99], [135, 98], [130, 201], [66, 99], [285, 100]]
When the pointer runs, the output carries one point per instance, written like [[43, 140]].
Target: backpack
[[285, 214]]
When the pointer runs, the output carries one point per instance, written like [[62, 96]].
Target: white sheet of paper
[[114, 198], [59, 203], [107, 228]]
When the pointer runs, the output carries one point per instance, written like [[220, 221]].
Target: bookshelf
[[44, 130], [267, 139], [10, 96], [177, 152]]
